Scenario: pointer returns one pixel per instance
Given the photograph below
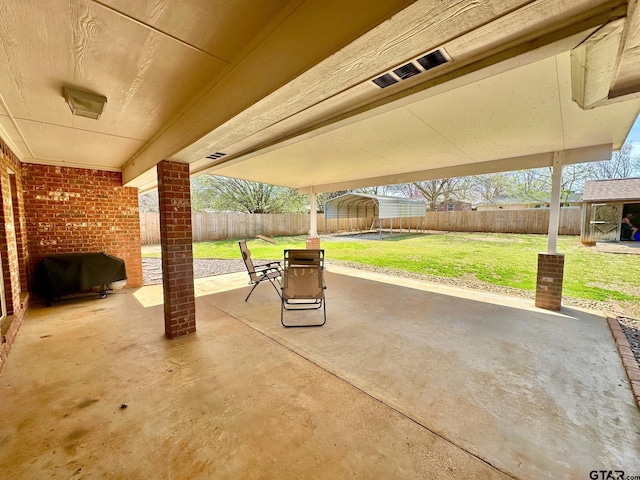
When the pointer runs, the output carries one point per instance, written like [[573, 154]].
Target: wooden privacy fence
[[532, 220], [223, 226]]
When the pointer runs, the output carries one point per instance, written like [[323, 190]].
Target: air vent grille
[[406, 71], [385, 80], [432, 60], [216, 155], [415, 67]]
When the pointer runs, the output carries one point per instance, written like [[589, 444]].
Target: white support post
[[313, 211], [554, 211]]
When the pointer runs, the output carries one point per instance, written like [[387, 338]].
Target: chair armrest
[[268, 267]]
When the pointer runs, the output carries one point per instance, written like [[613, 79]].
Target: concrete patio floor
[[406, 380]]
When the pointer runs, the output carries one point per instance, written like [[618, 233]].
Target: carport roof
[[358, 205]]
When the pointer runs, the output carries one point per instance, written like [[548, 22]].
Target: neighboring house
[[604, 204], [509, 206], [511, 203], [453, 206]]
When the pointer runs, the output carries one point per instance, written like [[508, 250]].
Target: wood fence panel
[[504, 221], [150, 228]]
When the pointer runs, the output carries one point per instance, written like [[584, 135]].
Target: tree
[[437, 191], [534, 185], [324, 197], [148, 202], [209, 192], [623, 164], [378, 190], [488, 188]]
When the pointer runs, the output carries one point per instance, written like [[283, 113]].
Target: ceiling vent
[[432, 60], [216, 155], [406, 71], [385, 80], [413, 68]]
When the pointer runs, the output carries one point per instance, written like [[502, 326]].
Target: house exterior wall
[[76, 210], [12, 249], [508, 206], [452, 206]]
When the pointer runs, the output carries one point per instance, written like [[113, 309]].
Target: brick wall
[[76, 210], [20, 227], [12, 249]]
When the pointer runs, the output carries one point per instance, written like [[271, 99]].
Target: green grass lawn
[[499, 259]]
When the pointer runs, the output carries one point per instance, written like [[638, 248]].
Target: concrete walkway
[[406, 380]]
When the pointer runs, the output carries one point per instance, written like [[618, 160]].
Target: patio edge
[[626, 355]]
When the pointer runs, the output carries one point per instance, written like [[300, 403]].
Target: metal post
[[554, 211], [313, 231]]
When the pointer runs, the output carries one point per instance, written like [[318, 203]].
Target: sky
[[634, 136]]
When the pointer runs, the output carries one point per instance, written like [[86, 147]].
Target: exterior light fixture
[[84, 104]]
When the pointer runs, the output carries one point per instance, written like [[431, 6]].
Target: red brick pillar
[[549, 281], [313, 243], [176, 244]]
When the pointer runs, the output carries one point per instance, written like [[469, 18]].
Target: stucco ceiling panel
[[399, 139], [10, 135], [210, 25], [145, 86], [507, 115], [318, 157], [8, 126], [76, 147]]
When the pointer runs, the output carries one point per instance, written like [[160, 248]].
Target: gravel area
[[152, 268], [152, 274]]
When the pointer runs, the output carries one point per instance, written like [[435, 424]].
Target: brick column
[[7, 246], [313, 243], [549, 281], [176, 244]]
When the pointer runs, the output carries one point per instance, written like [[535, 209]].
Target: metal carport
[[362, 205]]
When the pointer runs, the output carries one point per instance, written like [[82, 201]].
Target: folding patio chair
[[303, 284], [270, 272]]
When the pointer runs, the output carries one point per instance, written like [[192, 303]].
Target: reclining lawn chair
[[303, 284], [270, 272]]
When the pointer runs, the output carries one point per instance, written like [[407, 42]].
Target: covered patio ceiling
[[281, 92]]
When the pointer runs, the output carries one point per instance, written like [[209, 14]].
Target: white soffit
[[522, 112]]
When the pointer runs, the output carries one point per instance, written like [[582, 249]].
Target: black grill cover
[[63, 274]]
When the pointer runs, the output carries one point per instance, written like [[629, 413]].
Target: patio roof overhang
[[282, 92]]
